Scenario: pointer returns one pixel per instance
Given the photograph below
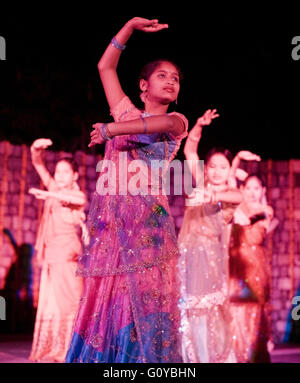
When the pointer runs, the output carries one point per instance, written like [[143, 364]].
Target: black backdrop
[[238, 64]]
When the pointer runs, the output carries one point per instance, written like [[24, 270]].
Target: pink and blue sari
[[129, 307]]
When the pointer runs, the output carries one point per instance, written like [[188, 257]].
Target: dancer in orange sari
[[58, 246], [250, 274]]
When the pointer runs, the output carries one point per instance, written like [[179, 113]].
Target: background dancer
[[203, 264], [58, 246], [250, 274]]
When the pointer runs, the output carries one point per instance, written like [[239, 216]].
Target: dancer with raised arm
[[203, 263], [58, 246], [129, 308]]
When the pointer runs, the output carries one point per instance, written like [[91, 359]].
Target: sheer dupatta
[[203, 270]]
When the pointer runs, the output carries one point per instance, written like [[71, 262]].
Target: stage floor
[[16, 349]]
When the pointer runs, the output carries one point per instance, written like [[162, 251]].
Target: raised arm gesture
[[191, 145], [108, 64]]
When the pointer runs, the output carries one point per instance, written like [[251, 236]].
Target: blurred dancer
[[203, 263], [250, 274], [58, 246]]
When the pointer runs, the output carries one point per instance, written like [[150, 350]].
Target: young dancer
[[58, 247], [250, 274], [203, 263], [129, 311]]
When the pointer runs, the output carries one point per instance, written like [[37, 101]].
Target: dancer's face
[[217, 170], [253, 191], [64, 175], [163, 85]]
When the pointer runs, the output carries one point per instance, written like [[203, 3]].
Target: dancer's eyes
[[173, 78]]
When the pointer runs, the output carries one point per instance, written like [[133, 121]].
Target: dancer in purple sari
[[129, 307]]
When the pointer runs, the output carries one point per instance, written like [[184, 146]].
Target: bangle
[[104, 132], [145, 126], [117, 45]]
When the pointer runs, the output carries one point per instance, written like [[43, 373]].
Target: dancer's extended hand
[[248, 156], [39, 194], [240, 218], [41, 143], [207, 117], [145, 25], [96, 137]]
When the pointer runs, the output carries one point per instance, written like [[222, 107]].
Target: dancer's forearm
[[68, 198], [77, 200], [153, 124], [230, 196], [39, 165], [192, 142], [111, 56]]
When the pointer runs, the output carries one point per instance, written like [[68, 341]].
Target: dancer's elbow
[[175, 125]]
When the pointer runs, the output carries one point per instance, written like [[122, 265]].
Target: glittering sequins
[[158, 209]]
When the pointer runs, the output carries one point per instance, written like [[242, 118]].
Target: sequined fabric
[[203, 269], [129, 307], [249, 291]]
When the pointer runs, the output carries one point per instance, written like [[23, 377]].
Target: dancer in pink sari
[[58, 247], [129, 308]]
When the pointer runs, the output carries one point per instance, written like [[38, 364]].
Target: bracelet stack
[[104, 132], [115, 43]]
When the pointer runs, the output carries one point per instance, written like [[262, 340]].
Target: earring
[[143, 96]]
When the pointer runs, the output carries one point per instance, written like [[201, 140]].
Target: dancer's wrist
[[129, 26], [105, 132], [109, 131]]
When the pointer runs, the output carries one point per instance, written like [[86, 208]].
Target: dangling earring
[[143, 96], [176, 102]]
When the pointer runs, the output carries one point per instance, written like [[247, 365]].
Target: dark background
[[239, 64]]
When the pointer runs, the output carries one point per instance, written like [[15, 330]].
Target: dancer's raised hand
[[145, 25], [41, 143], [248, 156], [207, 117]]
